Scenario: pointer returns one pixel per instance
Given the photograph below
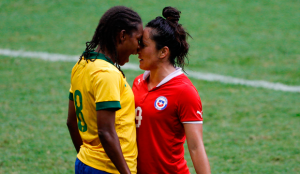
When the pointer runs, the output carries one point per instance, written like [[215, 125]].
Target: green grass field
[[246, 129]]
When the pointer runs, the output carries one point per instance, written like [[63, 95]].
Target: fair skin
[[154, 60], [157, 61], [127, 45], [197, 151]]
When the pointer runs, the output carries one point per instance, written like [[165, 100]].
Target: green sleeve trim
[[108, 105], [71, 96]]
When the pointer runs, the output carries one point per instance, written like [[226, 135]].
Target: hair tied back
[[171, 14]]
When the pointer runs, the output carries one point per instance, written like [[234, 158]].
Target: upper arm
[[71, 110], [71, 113], [193, 129], [106, 120], [196, 147], [193, 134]]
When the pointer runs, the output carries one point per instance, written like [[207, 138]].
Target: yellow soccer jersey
[[100, 85]]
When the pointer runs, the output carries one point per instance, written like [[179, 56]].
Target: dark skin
[[73, 127], [106, 132], [110, 140], [127, 45]]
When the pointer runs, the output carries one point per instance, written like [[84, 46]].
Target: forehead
[[139, 31], [146, 33]]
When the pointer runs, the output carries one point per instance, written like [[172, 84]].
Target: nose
[[138, 49]]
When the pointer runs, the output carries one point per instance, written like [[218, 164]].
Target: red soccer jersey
[[160, 114]]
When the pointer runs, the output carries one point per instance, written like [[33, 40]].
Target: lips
[[140, 57]]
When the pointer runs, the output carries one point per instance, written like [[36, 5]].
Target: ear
[[122, 36], [164, 52]]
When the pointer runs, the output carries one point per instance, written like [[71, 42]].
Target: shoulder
[[138, 79], [185, 85], [73, 69], [185, 80], [137, 83], [103, 67], [100, 64]]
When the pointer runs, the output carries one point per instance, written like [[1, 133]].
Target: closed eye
[[141, 42]]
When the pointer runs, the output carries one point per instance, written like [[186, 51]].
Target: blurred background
[[246, 129]]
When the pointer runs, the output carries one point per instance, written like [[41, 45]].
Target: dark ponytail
[[168, 32], [171, 14]]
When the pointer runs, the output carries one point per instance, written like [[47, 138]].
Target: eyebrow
[[145, 42], [145, 38]]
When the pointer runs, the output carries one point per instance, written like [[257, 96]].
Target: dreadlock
[[113, 21]]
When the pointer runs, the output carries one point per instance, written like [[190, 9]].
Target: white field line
[[193, 74]]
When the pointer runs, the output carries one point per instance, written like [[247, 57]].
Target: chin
[[142, 68], [123, 60], [121, 64]]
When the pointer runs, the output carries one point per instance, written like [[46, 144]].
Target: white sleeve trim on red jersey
[[166, 79], [195, 122]]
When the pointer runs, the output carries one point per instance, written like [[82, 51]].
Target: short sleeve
[[71, 93], [107, 89], [190, 106], [137, 82]]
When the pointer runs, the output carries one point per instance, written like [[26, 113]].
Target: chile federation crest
[[161, 103]]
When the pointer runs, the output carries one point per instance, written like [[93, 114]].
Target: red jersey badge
[[161, 103]]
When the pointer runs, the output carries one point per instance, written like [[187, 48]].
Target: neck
[[98, 50], [158, 74]]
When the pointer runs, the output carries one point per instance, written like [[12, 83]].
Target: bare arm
[[73, 127], [196, 148], [109, 139]]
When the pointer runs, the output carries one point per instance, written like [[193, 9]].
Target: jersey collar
[[95, 55], [166, 79]]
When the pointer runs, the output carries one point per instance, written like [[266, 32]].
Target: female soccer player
[[168, 107], [101, 118]]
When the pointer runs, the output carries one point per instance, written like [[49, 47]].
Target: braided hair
[[168, 32], [113, 21]]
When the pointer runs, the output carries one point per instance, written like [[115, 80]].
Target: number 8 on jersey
[[78, 107]]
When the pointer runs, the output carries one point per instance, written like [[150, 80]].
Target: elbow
[[194, 149], [68, 123], [104, 135], [71, 124], [195, 146]]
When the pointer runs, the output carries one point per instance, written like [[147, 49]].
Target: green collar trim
[[95, 55]]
